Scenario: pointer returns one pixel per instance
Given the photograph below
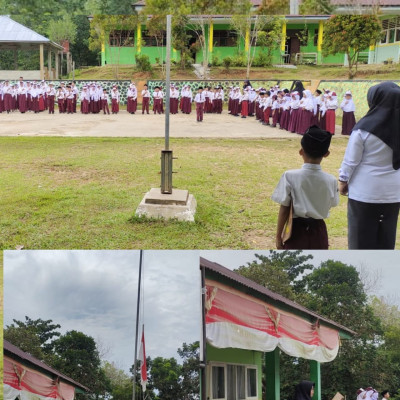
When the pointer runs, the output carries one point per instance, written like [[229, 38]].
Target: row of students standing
[[293, 111]]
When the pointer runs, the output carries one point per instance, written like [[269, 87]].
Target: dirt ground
[[138, 125]]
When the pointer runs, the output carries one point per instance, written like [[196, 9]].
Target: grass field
[[305, 72], [68, 193]]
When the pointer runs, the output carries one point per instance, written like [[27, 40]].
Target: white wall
[[14, 75]]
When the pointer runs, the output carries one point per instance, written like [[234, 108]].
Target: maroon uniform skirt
[[85, 106], [284, 120], [251, 108], [348, 122], [22, 103], [145, 104], [267, 114], [293, 120], [275, 116], [304, 121], [330, 121], [245, 108], [308, 234]]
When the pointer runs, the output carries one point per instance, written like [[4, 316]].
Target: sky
[[95, 292]]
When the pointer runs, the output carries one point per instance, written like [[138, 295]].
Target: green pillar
[[315, 372], [272, 378]]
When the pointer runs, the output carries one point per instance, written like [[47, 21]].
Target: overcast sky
[[95, 292]]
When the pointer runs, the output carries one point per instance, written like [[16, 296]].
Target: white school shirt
[[348, 105], [200, 98], [51, 91], [157, 95], [21, 90], [267, 102], [84, 95], [145, 93], [367, 166], [331, 104], [115, 95], [174, 94], [275, 105], [307, 103], [105, 97], [312, 191]]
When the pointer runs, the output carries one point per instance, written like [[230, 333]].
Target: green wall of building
[[238, 356]]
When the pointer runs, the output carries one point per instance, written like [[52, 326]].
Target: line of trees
[[78, 356]]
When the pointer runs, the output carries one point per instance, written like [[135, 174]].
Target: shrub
[[261, 60], [227, 62], [143, 62], [216, 61], [239, 60]]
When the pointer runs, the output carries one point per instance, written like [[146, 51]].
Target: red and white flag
[[143, 366]]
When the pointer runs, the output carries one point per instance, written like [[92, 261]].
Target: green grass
[[67, 193], [305, 72]]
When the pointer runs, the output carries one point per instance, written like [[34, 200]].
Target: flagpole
[[137, 324]]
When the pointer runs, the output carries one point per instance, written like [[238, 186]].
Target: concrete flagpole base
[[179, 205]]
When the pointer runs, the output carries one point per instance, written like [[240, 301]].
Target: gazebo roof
[[17, 354], [16, 35]]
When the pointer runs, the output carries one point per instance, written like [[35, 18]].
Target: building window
[[251, 382], [123, 38], [390, 32], [153, 41], [233, 382], [218, 382], [225, 38]]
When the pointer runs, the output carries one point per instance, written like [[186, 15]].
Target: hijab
[[383, 117], [303, 390], [298, 87]]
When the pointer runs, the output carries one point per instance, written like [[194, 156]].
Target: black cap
[[315, 142], [200, 87], [318, 91]]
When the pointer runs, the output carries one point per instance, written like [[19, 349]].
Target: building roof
[[16, 353], [261, 290], [12, 32]]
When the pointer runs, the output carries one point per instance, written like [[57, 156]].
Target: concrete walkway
[[138, 125]]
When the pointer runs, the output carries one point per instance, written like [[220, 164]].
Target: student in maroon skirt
[[331, 106], [51, 93], [199, 100], [294, 112], [157, 100], [115, 100], [348, 108], [317, 101], [267, 107], [245, 103], [306, 112], [145, 99]]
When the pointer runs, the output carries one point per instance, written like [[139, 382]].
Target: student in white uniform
[[348, 108], [310, 193]]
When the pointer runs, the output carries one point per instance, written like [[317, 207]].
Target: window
[[122, 38], [152, 41], [218, 382], [225, 38], [251, 382], [233, 382], [390, 32]]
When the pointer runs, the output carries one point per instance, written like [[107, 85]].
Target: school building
[[301, 41], [26, 377], [246, 326]]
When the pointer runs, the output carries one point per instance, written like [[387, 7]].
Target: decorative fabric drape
[[30, 384], [237, 320]]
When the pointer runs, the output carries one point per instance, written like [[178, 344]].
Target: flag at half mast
[[143, 366]]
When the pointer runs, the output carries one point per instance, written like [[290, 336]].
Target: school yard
[[74, 190]]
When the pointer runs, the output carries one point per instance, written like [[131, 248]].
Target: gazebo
[[246, 325], [14, 36], [27, 377]]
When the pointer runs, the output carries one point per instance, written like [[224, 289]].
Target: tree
[[279, 271], [120, 383], [166, 378], [115, 30], [350, 34], [45, 331], [62, 29], [77, 356], [190, 370], [274, 7], [316, 7], [26, 339]]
